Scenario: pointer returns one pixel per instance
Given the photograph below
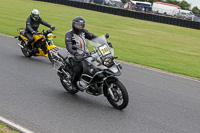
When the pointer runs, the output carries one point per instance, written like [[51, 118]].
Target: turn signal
[[115, 57], [99, 64]]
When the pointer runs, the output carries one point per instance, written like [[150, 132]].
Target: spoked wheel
[[72, 89], [26, 53], [117, 95]]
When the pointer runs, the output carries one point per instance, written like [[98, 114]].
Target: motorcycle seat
[[64, 54]]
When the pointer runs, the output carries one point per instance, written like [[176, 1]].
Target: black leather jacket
[[71, 38], [32, 25]]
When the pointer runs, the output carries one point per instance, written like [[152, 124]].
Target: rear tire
[[26, 53], [120, 99], [71, 91]]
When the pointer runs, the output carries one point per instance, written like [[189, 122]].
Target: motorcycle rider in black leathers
[[32, 24], [77, 36]]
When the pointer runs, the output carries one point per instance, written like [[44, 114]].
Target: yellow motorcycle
[[41, 46]]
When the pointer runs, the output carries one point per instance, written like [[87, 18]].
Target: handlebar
[[47, 32], [81, 57]]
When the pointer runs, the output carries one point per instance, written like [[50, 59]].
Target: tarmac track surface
[[32, 96]]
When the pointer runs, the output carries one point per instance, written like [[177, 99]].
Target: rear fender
[[21, 32], [21, 37]]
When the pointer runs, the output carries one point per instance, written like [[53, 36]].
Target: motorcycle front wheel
[[71, 91], [50, 56], [26, 53], [117, 95]]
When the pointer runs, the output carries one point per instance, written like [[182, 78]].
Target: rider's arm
[[68, 42], [44, 23], [28, 25], [89, 35]]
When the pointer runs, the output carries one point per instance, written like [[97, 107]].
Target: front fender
[[51, 47], [107, 80], [110, 79]]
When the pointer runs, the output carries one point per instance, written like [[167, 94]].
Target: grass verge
[[5, 129], [170, 48]]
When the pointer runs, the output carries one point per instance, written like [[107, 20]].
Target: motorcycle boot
[[28, 47], [75, 80]]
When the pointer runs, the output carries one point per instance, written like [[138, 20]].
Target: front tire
[[26, 53], [119, 98], [50, 56]]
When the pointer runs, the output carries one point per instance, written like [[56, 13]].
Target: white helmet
[[35, 14]]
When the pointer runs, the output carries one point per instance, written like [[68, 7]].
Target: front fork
[[107, 89], [110, 92]]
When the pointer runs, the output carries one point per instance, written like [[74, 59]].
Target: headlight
[[50, 36], [108, 62]]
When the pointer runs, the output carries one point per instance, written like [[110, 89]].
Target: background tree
[[175, 2], [184, 5], [152, 1], [196, 10]]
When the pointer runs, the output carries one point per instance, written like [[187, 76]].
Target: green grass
[[5, 129], [171, 48]]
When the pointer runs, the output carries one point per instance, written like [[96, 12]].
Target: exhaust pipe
[[20, 45]]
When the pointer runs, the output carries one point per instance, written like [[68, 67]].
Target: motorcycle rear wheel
[[26, 53], [71, 91], [120, 98]]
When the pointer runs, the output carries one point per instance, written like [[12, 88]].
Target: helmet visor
[[36, 16], [79, 25]]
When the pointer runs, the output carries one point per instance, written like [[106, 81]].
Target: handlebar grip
[[93, 60]]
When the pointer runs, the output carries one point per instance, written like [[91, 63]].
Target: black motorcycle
[[99, 72]]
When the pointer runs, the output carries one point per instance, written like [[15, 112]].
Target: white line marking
[[14, 126]]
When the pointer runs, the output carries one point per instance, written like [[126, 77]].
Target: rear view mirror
[[107, 35]]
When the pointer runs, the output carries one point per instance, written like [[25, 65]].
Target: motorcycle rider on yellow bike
[[32, 24]]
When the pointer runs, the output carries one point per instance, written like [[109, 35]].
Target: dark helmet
[[35, 14], [78, 24]]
